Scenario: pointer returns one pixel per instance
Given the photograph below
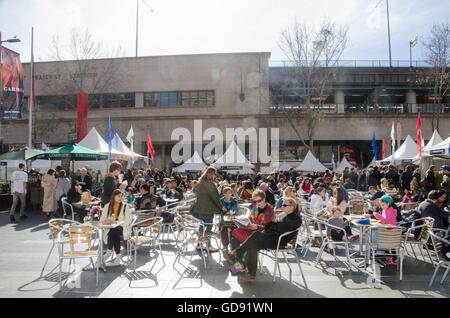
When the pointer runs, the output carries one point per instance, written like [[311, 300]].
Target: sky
[[212, 26]]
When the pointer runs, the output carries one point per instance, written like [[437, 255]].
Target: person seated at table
[[173, 192], [306, 185], [261, 214], [130, 196], [336, 201], [389, 213], [144, 202], [429, 208], [247, 191], [289, 220], [288, 192], [270, 198], [85, 179], [115, 211], [392, 191], [74, 196], [337, 219], [414, 195], [384, 184], [231, 207], [372, 190], [318, 200]]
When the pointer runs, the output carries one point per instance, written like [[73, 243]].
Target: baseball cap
[[445, 167], [347, 180], [387, 199]]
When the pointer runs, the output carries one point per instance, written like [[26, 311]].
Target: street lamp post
[[412, 44]]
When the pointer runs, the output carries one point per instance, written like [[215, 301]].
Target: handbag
[[242, 234]]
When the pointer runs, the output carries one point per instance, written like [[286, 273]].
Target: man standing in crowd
[[19, 181], [393, 175], [85, 180], [111, 183]]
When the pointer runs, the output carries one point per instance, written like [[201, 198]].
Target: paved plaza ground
[[25, 246]]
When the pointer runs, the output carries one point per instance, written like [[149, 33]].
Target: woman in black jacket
[[73, 196], [428, 208]]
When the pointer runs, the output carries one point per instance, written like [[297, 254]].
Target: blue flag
[[374, 146], [108, 139], [109, 136]]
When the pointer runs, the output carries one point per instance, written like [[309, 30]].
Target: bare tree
[[83, 65], [437, 54], [313, 56]]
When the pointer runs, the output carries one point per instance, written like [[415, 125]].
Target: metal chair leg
[[434, 275], [445, 275], [46, 261]]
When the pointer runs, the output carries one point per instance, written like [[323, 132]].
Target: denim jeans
[[16, 197]]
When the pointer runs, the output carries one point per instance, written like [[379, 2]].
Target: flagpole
[[30, 99]]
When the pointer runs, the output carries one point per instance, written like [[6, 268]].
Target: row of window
[[124, 100]]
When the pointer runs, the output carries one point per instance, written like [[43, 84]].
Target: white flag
[[332, 160], [44, 147], [130, 138], [130, 135], [393, 142]]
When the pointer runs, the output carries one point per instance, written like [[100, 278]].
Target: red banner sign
[[82, 115]]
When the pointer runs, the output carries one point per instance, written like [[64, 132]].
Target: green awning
[[73, 152]]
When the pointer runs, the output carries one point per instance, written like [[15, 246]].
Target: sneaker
[[23, 217], [12, 218], [447, 256], [248, 277], [237, 268], [353, 237], [116, 261], [107, 255], [227, 256], [390, 261]]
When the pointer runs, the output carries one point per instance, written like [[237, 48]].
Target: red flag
[[82, 115], [419, 136], [384, 148], [150, 148], [362, 162]]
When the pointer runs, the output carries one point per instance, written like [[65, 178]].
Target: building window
[[118, 100], [179, 98], [61, 102]]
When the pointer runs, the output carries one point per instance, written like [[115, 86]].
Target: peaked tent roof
[[310, 163], [407, 151], [434, 140], [233, 157], [124, 148], [443, 147], [344, 164], [195, 163], [95, 142]]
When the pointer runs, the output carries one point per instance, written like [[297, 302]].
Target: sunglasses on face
[[285, 205], [257, 201]]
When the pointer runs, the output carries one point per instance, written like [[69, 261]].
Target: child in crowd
[[337, 219]]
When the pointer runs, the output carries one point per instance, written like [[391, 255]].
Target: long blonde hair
[[208, 175]]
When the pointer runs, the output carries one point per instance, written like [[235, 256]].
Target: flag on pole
[[419, 136], [374, 146], [384, 149], [111, 133], [150, 148], [362, 161], [130, 138], [332, 160], [393, 142]]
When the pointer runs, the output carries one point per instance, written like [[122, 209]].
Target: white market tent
[[284, 166], [403, 155], [233, 161], [311, 164], [435, 140], [95, 142], [195, 163], [440, 149], [344, 164], [124, 148]]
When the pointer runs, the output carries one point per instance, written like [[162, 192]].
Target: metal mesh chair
[[388, 243], [329, 242], [309, 232], [424, 226], [144, 232], [55, 226], [438, 241], [67, 207], [76, 235], [290, 248]]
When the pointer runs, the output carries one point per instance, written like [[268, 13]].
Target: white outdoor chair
[[438, 241]]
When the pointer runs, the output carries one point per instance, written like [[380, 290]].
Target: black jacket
[[73, 196], [270, 198], [109, 186], [374, 178], [429, 209], [88, 180], [290, 223], [393, 176]]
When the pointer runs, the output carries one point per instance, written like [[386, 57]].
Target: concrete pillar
[[139, 100], [411, 99], [339, 100]]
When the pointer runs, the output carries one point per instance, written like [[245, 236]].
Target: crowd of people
[[274, 200]]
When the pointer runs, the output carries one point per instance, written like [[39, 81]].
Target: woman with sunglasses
[[261, 214], [289, 220]]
